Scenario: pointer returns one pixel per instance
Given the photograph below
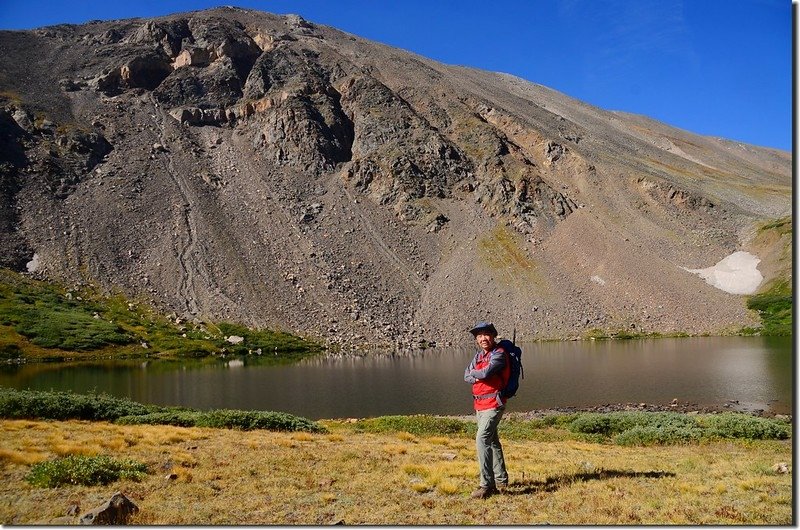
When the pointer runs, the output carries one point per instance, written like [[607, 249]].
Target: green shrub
[[648, 428], [84, 471], [613, 423], [178, 418], [10, 351], [731, 425], [652, 435], [225, 419], [420, 425], [31, 404], [249, 420]]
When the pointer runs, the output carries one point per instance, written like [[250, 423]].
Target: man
[[488, 373]]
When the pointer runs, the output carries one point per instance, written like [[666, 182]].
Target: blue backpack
[[515, 356]]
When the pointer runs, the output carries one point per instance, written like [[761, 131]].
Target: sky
[[714, 67]]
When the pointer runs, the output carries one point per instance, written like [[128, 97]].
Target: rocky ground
[[232, 164]]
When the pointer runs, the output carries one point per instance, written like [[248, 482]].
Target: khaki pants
[[490, 453]]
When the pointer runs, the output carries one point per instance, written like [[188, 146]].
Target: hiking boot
[[483, 492]]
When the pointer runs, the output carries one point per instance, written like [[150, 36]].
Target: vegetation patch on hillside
[[39, 320], [774, 300], [774, 306], [502, 251], [622, 333]]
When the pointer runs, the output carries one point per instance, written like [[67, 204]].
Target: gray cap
[[483, 326]]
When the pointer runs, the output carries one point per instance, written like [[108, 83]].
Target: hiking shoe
[[483, 492]]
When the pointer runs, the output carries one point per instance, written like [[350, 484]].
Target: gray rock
[[23, 120], [116, 511]]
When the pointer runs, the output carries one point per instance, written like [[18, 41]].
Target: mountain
[[233, 164]]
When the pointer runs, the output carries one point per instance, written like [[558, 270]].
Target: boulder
[[115, 511], [193, 57], [781, 468], [146, 71], [23, 120]]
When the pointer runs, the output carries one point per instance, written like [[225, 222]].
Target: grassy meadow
[[41, 321], [570, 469]]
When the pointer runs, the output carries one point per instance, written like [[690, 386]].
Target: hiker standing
[[488, 373]]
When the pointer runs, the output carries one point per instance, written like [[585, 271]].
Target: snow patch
[[736, 274], [33, 264]]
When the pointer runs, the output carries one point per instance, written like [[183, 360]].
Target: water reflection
[[707, 371]]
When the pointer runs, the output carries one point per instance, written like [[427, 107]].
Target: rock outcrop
[[115, 512]]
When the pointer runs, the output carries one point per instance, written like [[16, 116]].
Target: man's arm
[[467, 376], [496, 363]]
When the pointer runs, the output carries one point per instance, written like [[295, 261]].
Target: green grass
[[774, 300], [43, 315], [782, 225], [774, 306], [84, 471], [624, 334], [39, 320]]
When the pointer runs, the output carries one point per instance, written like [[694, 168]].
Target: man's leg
[[499, 462], [485, 442]]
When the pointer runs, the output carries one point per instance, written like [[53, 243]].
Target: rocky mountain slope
[[233, 164]]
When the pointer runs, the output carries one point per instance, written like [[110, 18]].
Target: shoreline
[[682, 408]]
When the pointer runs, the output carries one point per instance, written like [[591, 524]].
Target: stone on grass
[[115, 511]]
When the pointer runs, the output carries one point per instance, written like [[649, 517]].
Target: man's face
[[485, 340]]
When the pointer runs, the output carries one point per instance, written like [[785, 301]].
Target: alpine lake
[[726, 373]]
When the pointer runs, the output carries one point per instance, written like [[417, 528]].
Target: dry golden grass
[[233, 477]]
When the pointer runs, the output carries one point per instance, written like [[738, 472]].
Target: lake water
[[755, 371]]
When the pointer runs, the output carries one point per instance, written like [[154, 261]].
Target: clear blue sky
[[713, 67]]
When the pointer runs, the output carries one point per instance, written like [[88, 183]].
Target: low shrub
[[226, 419], [420, 425], [613, 423], [250, 420], [648, 428], [652, 435], [84, 471], [32, 404], [730, 425], [178, 418], [10, 351]]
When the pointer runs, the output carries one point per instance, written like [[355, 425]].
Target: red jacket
[[488, 372]]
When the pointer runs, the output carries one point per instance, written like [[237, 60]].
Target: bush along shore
[[64, 453], [42, 321]]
